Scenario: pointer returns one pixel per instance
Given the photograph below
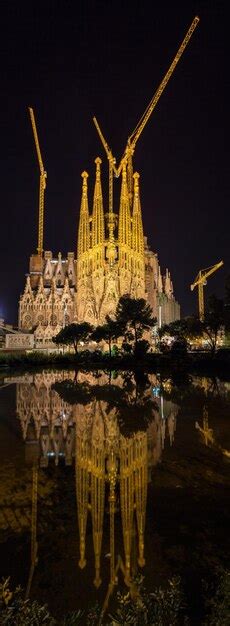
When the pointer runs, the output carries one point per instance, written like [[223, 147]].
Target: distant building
[[2, 332]]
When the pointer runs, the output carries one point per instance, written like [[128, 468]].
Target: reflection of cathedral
[[111, 470], [113, 258], [50, 421]]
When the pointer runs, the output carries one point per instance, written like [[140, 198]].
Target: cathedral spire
[[137, 226], [124, 229], [83, 230], [160, 282], [98, 227], [138, 261], [167, 284]]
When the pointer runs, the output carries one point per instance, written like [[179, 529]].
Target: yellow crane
[[112, 163], [42, 186], [200, 281], [132, 140]]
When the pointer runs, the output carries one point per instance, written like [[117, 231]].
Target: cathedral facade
[[113, 259]]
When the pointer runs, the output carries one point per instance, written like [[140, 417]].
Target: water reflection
[[207, 434], [48, 420], [114, 427], [92, 442]]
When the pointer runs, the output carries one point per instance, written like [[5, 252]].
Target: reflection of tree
[[132, 400], [73, 392], [126, 405], [180, 387], [195, 389]]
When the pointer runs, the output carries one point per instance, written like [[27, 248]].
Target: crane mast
[[112, 162], [42, 185], [200, 281]]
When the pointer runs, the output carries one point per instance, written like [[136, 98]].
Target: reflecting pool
[[104, 474]]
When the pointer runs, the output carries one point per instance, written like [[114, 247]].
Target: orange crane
[[200, 281], [42, 186], [132, 140]]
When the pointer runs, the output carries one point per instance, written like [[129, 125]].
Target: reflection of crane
[[43, 176], [208, 435], [200, 281], [34, 545], [132, 140]]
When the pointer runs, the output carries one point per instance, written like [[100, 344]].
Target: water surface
[[106, 474]]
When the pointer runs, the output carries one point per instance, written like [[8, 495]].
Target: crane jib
[[132, 140]]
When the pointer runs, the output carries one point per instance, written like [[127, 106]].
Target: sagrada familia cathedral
[[113, 258]]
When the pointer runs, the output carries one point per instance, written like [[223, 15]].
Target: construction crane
[[200, 281], [42, 186], [132, 140], [112, 163]]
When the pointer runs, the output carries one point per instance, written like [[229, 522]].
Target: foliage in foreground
[[159, 608], [218, 602], [16, 611], [162, 607]]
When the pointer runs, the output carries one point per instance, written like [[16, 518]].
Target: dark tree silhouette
[[192, 327], [73, 334], [213, 321], [135, 316], [108, 332]]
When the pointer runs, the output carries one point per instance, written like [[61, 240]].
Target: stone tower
[[109, 267]]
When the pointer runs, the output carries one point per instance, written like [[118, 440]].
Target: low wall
[[19, 341]]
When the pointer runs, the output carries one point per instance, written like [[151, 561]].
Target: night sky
[[72, 60]]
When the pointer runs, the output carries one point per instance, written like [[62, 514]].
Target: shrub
[[16, 611], [218, 603]]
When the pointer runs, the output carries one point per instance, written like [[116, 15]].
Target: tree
[[191, 328], [227, 305], [213, 321], [179, 329], [73, 334], [109, 332], [134, 316]]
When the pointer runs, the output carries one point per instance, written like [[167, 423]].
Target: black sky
[[72, 60]]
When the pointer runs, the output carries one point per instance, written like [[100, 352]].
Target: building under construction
[[88, 287], [112, 257]]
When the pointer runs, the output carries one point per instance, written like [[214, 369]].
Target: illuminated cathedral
[[113, 259]]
